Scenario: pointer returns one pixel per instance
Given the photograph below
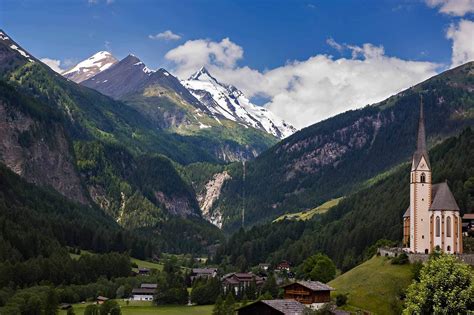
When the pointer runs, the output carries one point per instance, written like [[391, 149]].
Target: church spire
[[421, 143], [421, 150]]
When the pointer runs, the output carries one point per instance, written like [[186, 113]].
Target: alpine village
[[127, 190]]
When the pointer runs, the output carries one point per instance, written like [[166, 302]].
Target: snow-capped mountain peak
[[229, 102], [88, 68]]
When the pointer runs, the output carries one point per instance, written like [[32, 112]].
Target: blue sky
[[269, 34]]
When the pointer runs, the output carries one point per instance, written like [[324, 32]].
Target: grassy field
[[146, 308], [374, 285], [308, 214]]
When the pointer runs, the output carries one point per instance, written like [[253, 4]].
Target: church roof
[[443, 198], [421, 150], [407, 213]]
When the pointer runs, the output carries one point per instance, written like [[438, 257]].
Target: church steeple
[[421, 143], [421, 150]]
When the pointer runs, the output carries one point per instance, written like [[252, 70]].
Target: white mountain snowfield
[[231, 103], [90, 67], [221, 99]]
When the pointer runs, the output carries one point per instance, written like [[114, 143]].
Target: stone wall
[[394, 252]]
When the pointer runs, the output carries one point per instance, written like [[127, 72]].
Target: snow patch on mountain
[[227, 101], [90, 67]]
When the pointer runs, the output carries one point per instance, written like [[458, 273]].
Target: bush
[[401, 259], [341, 299]]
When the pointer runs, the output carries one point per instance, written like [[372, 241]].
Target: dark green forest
[[386, 133], [347, 230]]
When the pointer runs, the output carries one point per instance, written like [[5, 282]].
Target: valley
[[131, 190]]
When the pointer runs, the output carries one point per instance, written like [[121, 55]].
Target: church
[[432, 220]]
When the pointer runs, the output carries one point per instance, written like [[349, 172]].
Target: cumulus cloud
[[166, 35], [304, 92], [54, 64], [452, 7], [462, 35], [195, 53]]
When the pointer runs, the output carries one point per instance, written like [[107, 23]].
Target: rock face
[[210, 195], [40, 157], [90, 67]]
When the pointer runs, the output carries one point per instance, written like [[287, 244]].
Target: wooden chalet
[[273, 307], [308, 292]]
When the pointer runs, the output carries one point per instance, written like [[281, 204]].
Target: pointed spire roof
[[421, 150]]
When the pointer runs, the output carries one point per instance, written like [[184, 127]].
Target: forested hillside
[[334, 157], [98, 152], [347, 230]]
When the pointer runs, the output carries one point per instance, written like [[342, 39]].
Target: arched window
[[438, 223], [448, 227], [423, 178]]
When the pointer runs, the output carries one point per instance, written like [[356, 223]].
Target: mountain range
[[158, 158], [205, 96], [337, 156]]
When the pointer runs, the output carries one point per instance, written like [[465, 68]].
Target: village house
[[240, 280], [273, 307], [203, 273], [146, 292], [468, 223], [143, 271], [264, 267], [283, 266], [311, 293], [101, 299], [432, 220]]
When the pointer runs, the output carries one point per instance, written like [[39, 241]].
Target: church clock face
[[422, 164]]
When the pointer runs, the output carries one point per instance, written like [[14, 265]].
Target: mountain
[[227, 101], [90, 67], [162, 98], [348, 232], [335, 157], [97, 152]]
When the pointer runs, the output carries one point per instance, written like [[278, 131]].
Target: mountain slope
[[97, 151], [332, 158], [90, 67], [227, 101], [89, 114], [162, 98], [347, 231]]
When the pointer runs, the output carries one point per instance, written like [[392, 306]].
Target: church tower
[[420, 193]]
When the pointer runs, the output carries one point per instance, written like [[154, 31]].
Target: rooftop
[[313, 285]]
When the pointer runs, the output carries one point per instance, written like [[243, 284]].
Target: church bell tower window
[[423, 178]]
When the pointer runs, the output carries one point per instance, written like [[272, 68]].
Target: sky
[[304, 60]]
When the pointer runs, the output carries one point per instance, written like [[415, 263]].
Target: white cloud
[[166, 35], [462, 35], [331, 42], [304, 92], [53, 64], [193, 54], [452, 7]]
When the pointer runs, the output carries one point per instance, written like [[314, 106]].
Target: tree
[[91, 309], [108, 307], [51, 303], [270, 286], [229, 305], [218, 306], [319, 267], [446, 286]]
